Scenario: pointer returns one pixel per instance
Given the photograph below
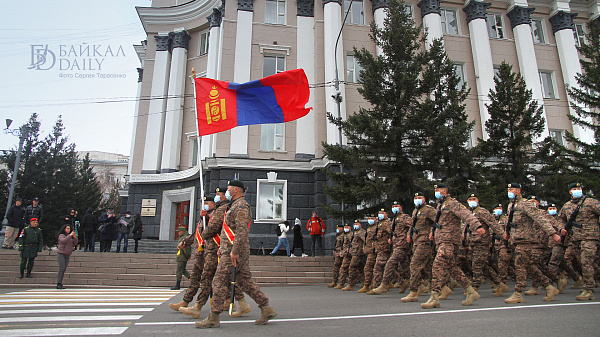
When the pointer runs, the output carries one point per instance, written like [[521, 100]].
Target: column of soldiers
[[440, 248]]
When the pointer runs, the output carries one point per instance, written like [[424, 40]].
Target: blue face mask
[[418, 202], [206, 207], [395, 210], [438, 195], [217, 198], [511, 195], [356, 227], [577, 194], [380, 216], [337, 230], [228, 195], [371, 221], [552, 212], [497, 212], [472, 204], [346, 230]]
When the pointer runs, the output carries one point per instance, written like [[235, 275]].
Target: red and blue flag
[[277, 98]]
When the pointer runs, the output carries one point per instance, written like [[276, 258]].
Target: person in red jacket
[[316, 228]]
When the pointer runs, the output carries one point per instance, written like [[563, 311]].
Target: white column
[[305, 46], [519, 16], [238, 146], [482, 56], [158, 103], [379, 15], [136, 113], [332, 17], [432, 20], [174, 113]]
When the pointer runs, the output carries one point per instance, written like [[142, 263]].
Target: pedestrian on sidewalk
[[31, 242], [282, 230], [67, 239], [124, 227], [88, 229], [137, 231], [15, 224], [183, 255], [298, 238], [316, 228]]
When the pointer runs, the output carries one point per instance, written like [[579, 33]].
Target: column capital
[[429, 6], [163, 42], [377, 4], [520, 16], [140, 74], [476, 10], [181, 39], [305, 8], [595, 22], [245, 5], [216, 16], [562, 20], [325, 2]]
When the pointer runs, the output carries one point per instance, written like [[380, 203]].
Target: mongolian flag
[[274, 99]]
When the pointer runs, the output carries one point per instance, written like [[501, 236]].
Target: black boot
[[177, 285], [28, 274], [60, 286], [22, 274]]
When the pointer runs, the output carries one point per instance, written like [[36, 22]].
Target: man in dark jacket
[[15, 224], [108, 224], [35, 210], [31, 242], [88, 227]]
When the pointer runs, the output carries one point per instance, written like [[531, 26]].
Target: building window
[[579, 34], [459, 69], [495, 26], [496, 71], [273, 65], [272, 200], [547, 84], [449, 21], [408, 10], [272, 137], [353, 69], [275, 12], [356, 14], [194, 151], [203, 45], [557, 136], [537, 29]]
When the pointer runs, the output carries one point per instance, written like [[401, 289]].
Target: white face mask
[[552, 212], [128, 216], [217, 198], [418, 202], [380, 216], [228, 195], [498, 212], [356, 227], [472, 204], [206, 207], [396, 210], [346, 230]]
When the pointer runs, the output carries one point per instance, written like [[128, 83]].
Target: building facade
[[282, 164]]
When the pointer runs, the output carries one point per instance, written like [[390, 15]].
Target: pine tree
[[89, 194]]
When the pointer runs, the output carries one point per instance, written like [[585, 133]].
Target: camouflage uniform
[[504, 251], [421, 262], [337, 257], [480, 247], [356, 252], [557, 258], [585, 239], [448, 239], [346, 258], [237, 218], [197, 269], [369, 250], [382, 249], [397, 265], [540, 253]]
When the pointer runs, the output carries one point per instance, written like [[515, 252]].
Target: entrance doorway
[[182, 216]]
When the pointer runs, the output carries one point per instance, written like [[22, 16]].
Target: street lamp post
[[22, 133]]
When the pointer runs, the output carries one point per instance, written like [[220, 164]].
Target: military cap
[[181, 229], [419, 194], [236, 183], [33, 219], [356, 221], [36, 199], [209, 198], [382, 210], [395, 203], [372, 215], [552, 205], [574, 185], [473, 195], [221, 189], [514, 185], [440, 185], [347, 225], [340, 225], [532, 197], [128, 212], [497, 206]]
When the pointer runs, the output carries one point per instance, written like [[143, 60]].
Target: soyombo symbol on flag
[[275, 99]]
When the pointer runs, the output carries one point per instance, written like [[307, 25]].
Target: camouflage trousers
[[397, 266], [380, 261], [420, 265], [445, 266], [344, 269], [211, 261], [587, 255], [537, 258], [481, 265], [525, 265], [558, 262], [356, 270], [222, 282], [337, 264], [194, 277], [464, 260], [369, 269], [504, 262]]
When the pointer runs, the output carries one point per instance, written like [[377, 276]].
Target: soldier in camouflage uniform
[[503, 251], [523, 236], [337, 254], [346, 258], [557, 261], [480, 246], [369, 250], [423, 218], [584, 239], [357, 243], [399, 261], [540, 252], [448, 239], [31, 242], [235, 251], [383, 233]]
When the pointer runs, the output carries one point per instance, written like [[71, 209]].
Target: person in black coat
[[88, 229], [298, 238], [15, 216], [108, 232], [138, 228]]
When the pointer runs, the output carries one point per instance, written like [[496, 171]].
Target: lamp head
[[8, 123]]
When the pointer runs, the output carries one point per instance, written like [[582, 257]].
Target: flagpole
[[199, 142]]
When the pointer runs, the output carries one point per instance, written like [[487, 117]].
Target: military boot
[[532, 291], [453, 284], [177, 285], [515, 298], [433, 302], [421, 290], [28, 274], [364, 289], [403, 286], [494, 286], [339, 286], [382, 289], [500, 289], [244, 308], [561, 284], [348, 288], [176, 306], [586, 295], [577, 283], [472, 296], [226, 305], [331, 285], [212, 321], [551, 291], [22, 274], [412, 297], [267, 313], [446, 291], [397, 285], [192, 311]]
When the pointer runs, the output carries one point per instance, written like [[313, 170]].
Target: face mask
[[472, 204], [356, 227], [396, 210], [552, 212], [217, 198], [371, 222], [438, 195], [337, 230], [346, 230], [497, 212], [418, 202], [577, 194], [206, 207], [228, 195], [128, 216], [511, 195], [380, 216]]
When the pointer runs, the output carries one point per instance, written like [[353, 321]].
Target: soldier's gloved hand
[[480, 231]]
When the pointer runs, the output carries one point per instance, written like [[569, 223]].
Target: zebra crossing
[[76, 312]]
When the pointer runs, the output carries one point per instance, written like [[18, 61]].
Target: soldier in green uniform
[[30, 243], [183, 255]]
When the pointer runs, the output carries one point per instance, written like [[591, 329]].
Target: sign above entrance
[[148, 202]]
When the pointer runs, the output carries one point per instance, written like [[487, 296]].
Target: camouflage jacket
[[214, 226], [339, 242], [369, 246], [358, 242], [403, 223], [587, 217], [453, 212], [190, 241], [384, 234], [543, 238], [425, 218], [346, 244], [238, 219], [489, 223], [524, 217]]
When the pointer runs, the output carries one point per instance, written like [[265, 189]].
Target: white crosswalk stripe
[[81, 312]]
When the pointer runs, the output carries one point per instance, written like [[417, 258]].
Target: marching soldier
[[31, 242], [369, 250], [183, 256], [346, 257], [557, 259], [522, 214], [383, 234], [584, 211], [235, 252], [357, 243], [502, 247], [337, 254], [540, 254]]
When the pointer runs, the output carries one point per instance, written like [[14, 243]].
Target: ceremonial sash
[[217, 239], [199, 237], [228, 232]]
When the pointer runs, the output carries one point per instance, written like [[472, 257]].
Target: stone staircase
[[152, 270]]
